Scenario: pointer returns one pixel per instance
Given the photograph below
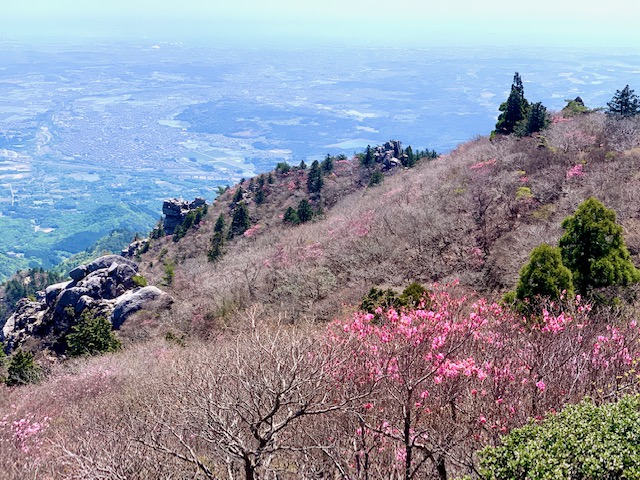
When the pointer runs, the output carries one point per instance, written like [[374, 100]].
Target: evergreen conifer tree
[[22, 369], [305, 212], [544, 275], [92, 335], [217, 241], [368, 158], [239, 195], [624, 103], [240, 222], [314, 180], [594, 250], [327, 164], [291, 216], [410, 161], [537, 118], [514, 110]]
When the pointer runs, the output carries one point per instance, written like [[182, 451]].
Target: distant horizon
[[375, 23]]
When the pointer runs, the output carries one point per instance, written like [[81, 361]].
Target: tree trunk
[[249, 469]]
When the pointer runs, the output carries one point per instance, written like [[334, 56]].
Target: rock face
[[390, 154], [106, 286], [175, 210]]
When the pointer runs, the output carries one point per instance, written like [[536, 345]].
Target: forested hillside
[[370, 317]]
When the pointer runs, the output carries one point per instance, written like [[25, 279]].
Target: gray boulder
[[53, 291], [131, 302], [106, 261], [24, 322]]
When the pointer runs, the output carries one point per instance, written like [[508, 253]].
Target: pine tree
[[291, 216], [514, 110], [92, 335], [327, 164], [305, 212], [544, 275], [537, 118], [22, 369], [239, 195], [624, 103], [410, 161], [594, 250], [368, 158], [217, 241], [240, 222], [314, 180]]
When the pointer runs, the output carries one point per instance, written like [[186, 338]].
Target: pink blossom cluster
[[479, 359], [576, 171], [483, 165], [26, 431], [361, 226], [252, 232]]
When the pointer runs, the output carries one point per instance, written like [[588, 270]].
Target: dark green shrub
[[169, 273], [376, 178], [139, 281], [305, 212], [544, 275], [92, 335], [414, 294], [283, 167], [583, 441], [22, 369], [291, 216], [593, 248], [378, 298]]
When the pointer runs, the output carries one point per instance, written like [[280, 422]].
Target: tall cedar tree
[[514, 110], [327, 164], [624, 103], [593, 248], [239, 195], [368, 158], [217, 241], [241, 221], [314, 180], [537, 118]]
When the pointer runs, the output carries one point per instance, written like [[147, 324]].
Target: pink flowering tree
[[451, 378], [420, 363]]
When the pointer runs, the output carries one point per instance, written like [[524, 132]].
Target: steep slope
[[473, 215]]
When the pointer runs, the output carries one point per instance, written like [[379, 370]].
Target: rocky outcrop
[[106, 286], [23, 323], [133, 301], [135, 248], [390, 154], [175, 210]]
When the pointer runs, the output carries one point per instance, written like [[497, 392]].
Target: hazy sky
[[378, 22]]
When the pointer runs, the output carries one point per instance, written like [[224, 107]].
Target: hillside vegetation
[[473, 215], [346, 319]]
